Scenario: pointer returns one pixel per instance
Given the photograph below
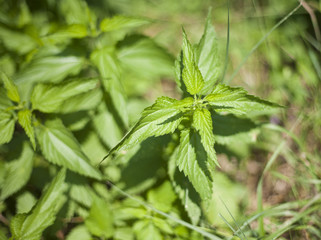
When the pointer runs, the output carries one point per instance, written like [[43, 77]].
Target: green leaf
[[25, 202], [50, 98], [236, 100], [82, 102], [122, 22], [5, 102], [31, 225], [144, 58], [77, 12], [142, 167], [162, 197], [106, 127], [46, 69], [161, 118], [79, 232], [16, 41], [191, 75], [25, 120], [145, 230], [186, 192], [17, 172], [230, 129], [202, 121], [7, 123], [12, 90], [62, 35], [191, 159], [52, 69], [109, 69], [100, 219], [207, 57], [59, 146]]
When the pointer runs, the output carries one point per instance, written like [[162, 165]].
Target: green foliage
[[196, 156], [59, 146], [75, 75], [31, 225], [7, 123]]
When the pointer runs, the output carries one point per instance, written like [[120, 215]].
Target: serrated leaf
[[161, 118], [100, 219], [186, 192], [17, 172], [109, 69], [191, 159], [12, 90], [49, 98], [59, 146], [202, 121], [207, 57], [191, 75], [25, 120], [122, 22], [236, 100], [7, 123], [30, 226]]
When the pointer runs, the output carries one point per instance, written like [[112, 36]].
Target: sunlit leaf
[[109, 69], [207, 57], [122, 22], [7, 123], [25, 120], [236, 100], [59, 146], [29, 226], [191, 159], [202, 121], [161, 118], [17, 172], [50, 98], [191, 75], [12, 90]]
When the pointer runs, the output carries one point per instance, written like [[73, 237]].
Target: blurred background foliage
[[270, 178]]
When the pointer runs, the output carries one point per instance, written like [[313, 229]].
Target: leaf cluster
[[66, 87]]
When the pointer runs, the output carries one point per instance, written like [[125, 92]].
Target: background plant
[[68, 70]]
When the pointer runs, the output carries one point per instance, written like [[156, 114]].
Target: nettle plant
[[207, 113], [63, 106]]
